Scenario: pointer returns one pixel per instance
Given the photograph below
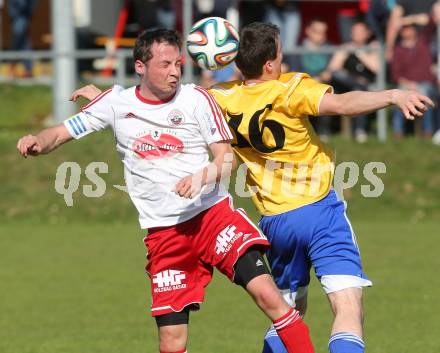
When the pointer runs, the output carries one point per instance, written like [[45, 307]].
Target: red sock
[[182, 351], [294, 333]]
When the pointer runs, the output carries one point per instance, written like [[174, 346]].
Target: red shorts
[[181, 258]]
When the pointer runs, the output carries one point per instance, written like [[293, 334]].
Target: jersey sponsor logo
[[157, 145], [227, 238], [169, 280], [175, 117]]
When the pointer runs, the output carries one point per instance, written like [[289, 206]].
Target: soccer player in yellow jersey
[[291, 172]]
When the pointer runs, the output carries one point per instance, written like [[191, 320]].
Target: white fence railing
[[122, 55], [60, 54]]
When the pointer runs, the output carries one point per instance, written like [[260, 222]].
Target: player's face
[[162, 73]]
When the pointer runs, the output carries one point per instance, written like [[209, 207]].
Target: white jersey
[[159, 143]]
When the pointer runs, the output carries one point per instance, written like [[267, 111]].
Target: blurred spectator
[[20, 13], [228, 73], [348, 13], [166, 15], [154, 13], [356, 70], [378, 15], [250, 11], [285, 14], [315, 37], [85, 37], [411, 68], [208, 8], [315, 64], [406, 12]]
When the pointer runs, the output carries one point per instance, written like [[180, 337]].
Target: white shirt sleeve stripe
[[218, 119], [101, 95]]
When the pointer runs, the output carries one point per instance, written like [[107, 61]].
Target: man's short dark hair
[[145, 40], [258, 44], [316, 19], [360, 20]]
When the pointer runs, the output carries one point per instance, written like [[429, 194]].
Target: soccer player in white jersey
[[164, 131]]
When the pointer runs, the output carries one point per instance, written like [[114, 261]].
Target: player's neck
[[256, 81], [266, 76]]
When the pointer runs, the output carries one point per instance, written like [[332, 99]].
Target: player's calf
[[347, 307], [173, 338], [347, 326], [251, 272], [173, 331]]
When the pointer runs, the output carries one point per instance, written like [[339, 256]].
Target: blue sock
[[272, 343], [345, 342]]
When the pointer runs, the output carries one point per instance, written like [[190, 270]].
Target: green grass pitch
[[82, 288]]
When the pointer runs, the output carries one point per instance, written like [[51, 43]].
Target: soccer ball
[[213, 43]]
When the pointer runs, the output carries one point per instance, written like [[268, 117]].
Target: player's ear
[[268, 67], [139, 67]]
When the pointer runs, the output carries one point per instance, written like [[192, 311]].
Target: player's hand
[[188, 187], [29, 145], [89, 92], [411, 103]]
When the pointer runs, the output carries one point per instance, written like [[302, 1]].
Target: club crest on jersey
[[169, 280], [157, 144], [175, 117]]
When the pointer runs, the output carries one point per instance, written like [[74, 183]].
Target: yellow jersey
[[287, 165]]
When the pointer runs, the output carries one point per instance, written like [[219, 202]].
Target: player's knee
[[174, 318], [252, 273], [249, 266], [173, 328], [347, 302], [268, 298]]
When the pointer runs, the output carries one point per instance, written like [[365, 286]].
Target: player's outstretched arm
[[44, 142], [411, 103], [221, 167]]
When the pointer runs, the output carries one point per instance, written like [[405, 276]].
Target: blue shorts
[[318, 235]]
